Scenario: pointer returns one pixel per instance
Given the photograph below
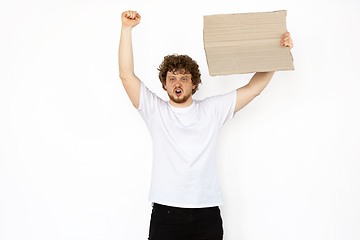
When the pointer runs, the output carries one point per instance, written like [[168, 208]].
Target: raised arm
[[258, 82], [129, 80]]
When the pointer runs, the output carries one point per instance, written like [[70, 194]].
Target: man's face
[[179, 87]]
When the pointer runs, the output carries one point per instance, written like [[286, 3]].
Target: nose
[[178, 83]]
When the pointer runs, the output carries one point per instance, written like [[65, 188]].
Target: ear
[[194, 86], [165, 86]]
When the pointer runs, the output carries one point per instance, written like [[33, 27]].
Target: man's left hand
[[287, 41]]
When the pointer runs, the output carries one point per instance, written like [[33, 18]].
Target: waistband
[[166, 208]]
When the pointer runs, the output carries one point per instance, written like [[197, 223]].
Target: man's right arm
[[129, 80]]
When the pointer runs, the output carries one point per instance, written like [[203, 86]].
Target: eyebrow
[[183, 75]]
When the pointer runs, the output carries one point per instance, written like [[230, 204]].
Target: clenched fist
[[130, 18]]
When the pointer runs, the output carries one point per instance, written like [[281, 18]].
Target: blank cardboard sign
[[246, 42]]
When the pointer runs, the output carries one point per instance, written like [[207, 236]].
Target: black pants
[[172, 223]]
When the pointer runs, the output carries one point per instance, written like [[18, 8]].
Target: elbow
[[257, 93], [257, 90], [123, 77]]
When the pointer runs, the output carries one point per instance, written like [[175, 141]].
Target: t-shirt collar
[[182, 110]]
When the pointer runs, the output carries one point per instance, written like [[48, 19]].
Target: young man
[[184, 185]]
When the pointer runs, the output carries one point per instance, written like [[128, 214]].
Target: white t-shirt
[[184, 148]]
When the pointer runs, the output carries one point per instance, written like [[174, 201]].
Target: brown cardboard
[[246, 42]]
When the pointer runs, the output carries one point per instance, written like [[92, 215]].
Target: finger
[[134, 14], [289, 44], [130, 14], [286, 34], [286, 37], [286, 40]]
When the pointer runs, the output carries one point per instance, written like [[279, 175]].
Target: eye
[[184, 79]]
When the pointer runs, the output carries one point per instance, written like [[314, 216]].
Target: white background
[[75, 156]]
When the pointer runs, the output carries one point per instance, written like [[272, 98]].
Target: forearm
[[125, 57], [259, 81]]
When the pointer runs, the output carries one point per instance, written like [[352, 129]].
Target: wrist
[[126, 28]]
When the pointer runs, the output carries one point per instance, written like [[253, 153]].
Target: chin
[[182, 99]]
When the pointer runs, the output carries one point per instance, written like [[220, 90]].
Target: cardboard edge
[[292, 58], [283, 10], [206, 57]]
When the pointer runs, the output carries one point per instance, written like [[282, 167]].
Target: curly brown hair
[[184, 63]]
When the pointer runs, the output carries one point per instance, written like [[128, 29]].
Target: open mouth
[[178, 92]]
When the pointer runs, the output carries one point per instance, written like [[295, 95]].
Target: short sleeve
[[148, 103], [222, 106]]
